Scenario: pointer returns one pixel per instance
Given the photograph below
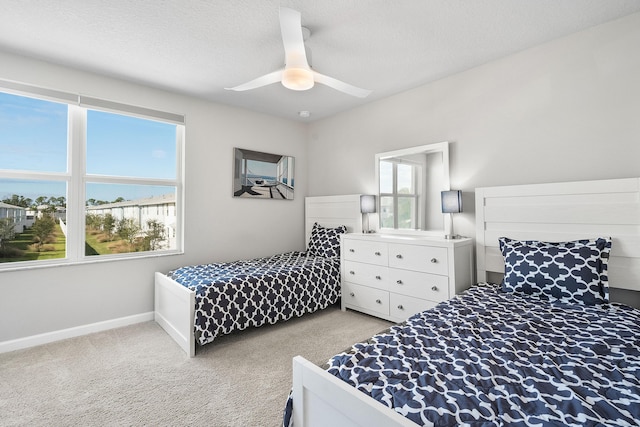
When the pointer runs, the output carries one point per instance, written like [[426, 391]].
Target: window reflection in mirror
[[410, 182], [400, 187]]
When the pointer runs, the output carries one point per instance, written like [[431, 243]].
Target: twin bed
[[195, 304], [545, 347]]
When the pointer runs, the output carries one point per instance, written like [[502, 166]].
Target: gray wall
[[564, 111], [217, 226]]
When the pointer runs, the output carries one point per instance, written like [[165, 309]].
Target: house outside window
[[81, 175]]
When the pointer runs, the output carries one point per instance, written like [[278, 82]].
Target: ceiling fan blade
[[265, 80], [340, 85], [291, 28]]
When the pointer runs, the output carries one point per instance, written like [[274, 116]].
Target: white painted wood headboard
[[560, 212], [333, 211]]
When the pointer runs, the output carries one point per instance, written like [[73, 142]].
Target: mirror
[[409, 186]]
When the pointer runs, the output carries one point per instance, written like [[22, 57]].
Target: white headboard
[[559, 212], [333, 211]]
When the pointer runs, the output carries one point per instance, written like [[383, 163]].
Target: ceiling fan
[[297, 73]]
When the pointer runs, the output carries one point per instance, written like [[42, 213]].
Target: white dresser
[[396, 276]]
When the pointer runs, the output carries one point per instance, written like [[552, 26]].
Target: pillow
[[571, 272], [325, 242]]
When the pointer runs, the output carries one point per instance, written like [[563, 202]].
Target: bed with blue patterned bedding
[[250, 293], [494, 358]]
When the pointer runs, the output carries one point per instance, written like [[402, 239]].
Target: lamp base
[[367, 230]]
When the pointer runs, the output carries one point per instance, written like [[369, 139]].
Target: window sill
[[99, 259]]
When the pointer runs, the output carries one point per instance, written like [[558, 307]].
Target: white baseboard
[[77, 331]]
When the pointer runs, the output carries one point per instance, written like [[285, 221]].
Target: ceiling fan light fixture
[[297, 73], [297, 78]]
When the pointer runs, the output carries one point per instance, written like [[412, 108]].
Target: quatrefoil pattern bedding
[[572, 272], [491, 358], [325, 241], [250, 293]]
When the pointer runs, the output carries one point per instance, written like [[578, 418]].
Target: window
[[399, 194], [86, 179]]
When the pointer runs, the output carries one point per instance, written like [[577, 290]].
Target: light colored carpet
[[137, 376]]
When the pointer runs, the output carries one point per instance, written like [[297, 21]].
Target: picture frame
[[259, 175]]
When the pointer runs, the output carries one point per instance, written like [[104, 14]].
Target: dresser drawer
[[372, 275], [402, 306], [420, 285], [371, 252], [394, 277], [366, 298], [419, 258]]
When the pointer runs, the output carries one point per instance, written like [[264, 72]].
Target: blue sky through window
[[130, 146], [33, 137], [33, 134]]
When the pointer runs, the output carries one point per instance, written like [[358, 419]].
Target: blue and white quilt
[[491, 358], [236, 295]]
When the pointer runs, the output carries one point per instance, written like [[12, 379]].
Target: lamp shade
[[451, 201], [367, 203]]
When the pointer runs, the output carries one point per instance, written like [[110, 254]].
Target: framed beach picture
[[260, 175]]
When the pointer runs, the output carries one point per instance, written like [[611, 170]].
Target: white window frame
[[76, 177]]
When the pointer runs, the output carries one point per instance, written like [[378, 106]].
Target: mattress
[[250, 293], [491, 358]]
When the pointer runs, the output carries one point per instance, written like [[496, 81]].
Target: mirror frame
[[439, 147]]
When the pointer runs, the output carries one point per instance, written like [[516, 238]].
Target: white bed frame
[[174, 304], [551, 212]]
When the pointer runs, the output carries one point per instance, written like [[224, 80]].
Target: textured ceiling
[[199, 47]]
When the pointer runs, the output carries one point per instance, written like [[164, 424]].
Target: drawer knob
[[378, 301], [399, 282], [377, 253], [378, 278], [399, 256], [434, 288], [352, 272], [434, 260], [351, 250], [400, 307], [352, 294]]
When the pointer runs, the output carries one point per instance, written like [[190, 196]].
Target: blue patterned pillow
[[325, 242], [572, 272]]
